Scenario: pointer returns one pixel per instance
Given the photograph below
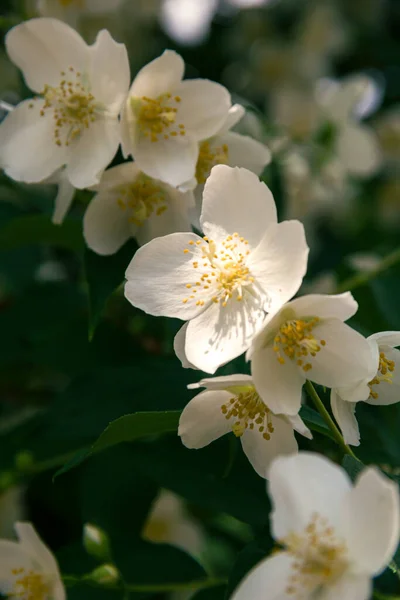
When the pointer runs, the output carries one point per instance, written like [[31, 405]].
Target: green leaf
[[38, 229], [103, 275], [214, 593], [315, 422], [127, 429], [352, 466]]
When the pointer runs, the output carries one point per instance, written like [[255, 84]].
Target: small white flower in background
[[129, 204], [28, 569], [73, 121], [332, 546], [343, 104], [221, 284], [231, 403], [228, 148], [169, 522], [71, 11], [307, 339], [165, 118], [380, 388]]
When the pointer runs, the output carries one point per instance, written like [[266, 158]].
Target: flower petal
[[338, 306], [159, 273], [172, 161], [12, 556], [221, 333], [203, 108], [33, 545], [344, 413], [222, 382], [110, 73], [230, 197], [92, 152], [298, 425], [358, 150], [106, 226], [345, 358], [348, 587], [372, 542], [179, 347], [244, 151], [261, 452], [388, 393], [235, 114], [279, 385], [387, 338], [64, 198], [27, 148], [279, 262], [162, 75], [202, 420], [43, 48], [302, 485], [268, 580]]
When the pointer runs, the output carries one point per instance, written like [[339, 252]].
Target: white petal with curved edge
[[279, 262], [301, 486], [124, 173], [231, 196], [63, 200], [244, 151], [348, 587], [161, 75], [172, 161], [338, 306], [268, 580], [43, 49], [388, 393], [261, 452], [358, 149], [12, 556], [278, 385], [106, 226], [345, 358], [298, 425], [203, 108], [372, 541], [387, 338], [222, 382], [179, 347], [220, 334], [110, 73], [202, 420], [92, 152], [159, 273], [27, 148], [235, 114], [32, 544], [344, 413]]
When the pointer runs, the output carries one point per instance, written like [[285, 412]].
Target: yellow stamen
[[208, 158], [156, 117], [385, 373], [141, 199], [248, 411], [296, 341]]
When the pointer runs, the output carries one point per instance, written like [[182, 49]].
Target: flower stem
[[312, 392], [355, 281]]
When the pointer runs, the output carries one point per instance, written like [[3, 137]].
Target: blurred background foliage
[[74, 355]]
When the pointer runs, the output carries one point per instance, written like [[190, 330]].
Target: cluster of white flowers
[[232, 282]]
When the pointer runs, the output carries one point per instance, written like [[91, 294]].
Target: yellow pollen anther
[[248, 411], [30, 585], [141, 198], [385, 373], [74, 107], [208, 158], [296, 341], [156, 117]]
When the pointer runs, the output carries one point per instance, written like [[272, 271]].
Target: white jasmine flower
[[128, 204], [231, 403], [343, 105], [71, 11], [228, 148], [28, 569], [380, 387], [165, 118], [73, 121], [332, 546], [222, 283], [307, 339]]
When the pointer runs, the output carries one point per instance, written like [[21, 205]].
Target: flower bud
[[104, 575], [96, 542]]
